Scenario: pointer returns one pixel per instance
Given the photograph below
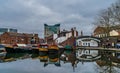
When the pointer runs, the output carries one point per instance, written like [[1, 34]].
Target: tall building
[[2, 30], [49, 30]]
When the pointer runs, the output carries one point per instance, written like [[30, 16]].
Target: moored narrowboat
[[43, 48]]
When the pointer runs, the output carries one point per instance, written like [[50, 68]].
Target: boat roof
[[43, 44]]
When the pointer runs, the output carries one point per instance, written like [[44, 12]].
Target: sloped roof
[[102, 29], [15, 34], [99, 29], [28, 35], [118, 31]]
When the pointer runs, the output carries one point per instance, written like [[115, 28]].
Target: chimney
[[81, 33], [72, 31]]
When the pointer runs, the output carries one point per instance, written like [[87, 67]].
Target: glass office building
[[2, 30], [51, 29]]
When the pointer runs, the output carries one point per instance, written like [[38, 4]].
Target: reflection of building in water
[[43, 56], [109, 64], [70, 57], [9, 57], [49, 59], [87, 55], [2, 56], [53, 59]]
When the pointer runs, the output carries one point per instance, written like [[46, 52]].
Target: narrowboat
[[43, 48]]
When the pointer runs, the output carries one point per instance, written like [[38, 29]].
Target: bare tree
[[104, 21], [109, 18], [116, 12]]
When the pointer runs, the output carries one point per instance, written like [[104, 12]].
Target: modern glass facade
[[51, 29], [2, 30], [12, 30]]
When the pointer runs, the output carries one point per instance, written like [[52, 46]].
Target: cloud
[[30, 15]]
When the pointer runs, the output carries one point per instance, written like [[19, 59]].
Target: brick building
[[102, 32], [70, 41], [18, 38], [99, 32], [112, 39], [63, 37], [67, 37]]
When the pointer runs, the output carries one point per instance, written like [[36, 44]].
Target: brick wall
[[69, 41], [19, 38], [5, 38]]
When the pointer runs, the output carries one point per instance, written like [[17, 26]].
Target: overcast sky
[[30, 15]]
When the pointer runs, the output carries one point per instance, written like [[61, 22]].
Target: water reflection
[[105, 64], [70, 57], [108, 63], [9, 57], [49, 59]]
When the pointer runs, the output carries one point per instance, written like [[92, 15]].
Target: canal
[[67, 62]]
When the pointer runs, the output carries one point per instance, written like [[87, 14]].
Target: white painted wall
[[55, 36], [68, 34], [114, 33], [75, 34], [63, 38], [60, 40]]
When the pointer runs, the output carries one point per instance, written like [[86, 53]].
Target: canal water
[[55, 63]]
